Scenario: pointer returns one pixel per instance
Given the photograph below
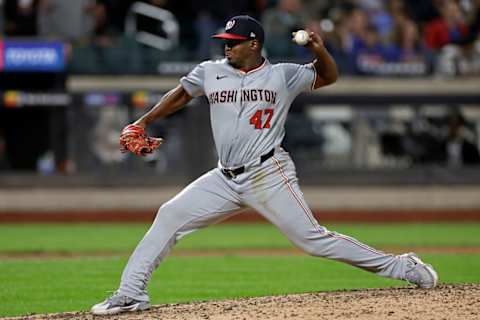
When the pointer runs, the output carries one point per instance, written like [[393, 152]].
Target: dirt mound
[[444, 302]]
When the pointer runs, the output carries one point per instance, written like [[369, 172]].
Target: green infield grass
[[124, 237], [59, 284], [56, 285]]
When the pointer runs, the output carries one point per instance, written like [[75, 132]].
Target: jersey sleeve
[[193, 82], [299, 77]]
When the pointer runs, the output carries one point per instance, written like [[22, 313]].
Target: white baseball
[[301, 37]]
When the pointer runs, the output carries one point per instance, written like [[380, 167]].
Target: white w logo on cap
[[230, 24]]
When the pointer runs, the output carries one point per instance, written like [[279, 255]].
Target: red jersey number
[[257, 119]]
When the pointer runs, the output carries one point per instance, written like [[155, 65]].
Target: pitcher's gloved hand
[[134, 139]]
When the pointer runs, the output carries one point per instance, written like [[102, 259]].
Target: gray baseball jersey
[[248, 112]]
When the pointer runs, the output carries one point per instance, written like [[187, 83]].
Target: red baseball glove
[[134, 139]]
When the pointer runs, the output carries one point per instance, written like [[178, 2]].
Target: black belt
[[232, 173]]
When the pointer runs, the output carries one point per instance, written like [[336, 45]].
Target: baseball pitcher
[[249, 101]]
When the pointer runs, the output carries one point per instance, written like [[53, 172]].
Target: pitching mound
[[444, 302]]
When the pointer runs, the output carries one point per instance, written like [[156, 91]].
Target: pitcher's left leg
[[286, 208]]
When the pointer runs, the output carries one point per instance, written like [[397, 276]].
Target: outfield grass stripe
[[124, 237], [225, 252]]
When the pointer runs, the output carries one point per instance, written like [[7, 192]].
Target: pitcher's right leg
[[206, 201]]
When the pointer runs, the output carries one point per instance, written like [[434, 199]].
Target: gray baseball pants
[[271, 188]]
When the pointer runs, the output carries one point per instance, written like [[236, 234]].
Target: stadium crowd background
[[395, 37], [399, 125]]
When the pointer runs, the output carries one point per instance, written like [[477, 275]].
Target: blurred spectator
[[361, 40], [101, 18], [68, 20], [391, 46], [319, 9], [378, 16], [462, 57], [279, 23], [460, 146], [21, 17], [424, 140], [404, 38], [338, 40], [369, 45], [459, 60], [448, 140], [447, 28], [358, 29]]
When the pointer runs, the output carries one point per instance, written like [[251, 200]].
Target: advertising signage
[[31, 56], [19, 99]]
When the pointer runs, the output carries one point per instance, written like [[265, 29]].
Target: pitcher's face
[[238, 51]]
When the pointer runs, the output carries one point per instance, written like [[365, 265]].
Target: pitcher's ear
[[255, 45]]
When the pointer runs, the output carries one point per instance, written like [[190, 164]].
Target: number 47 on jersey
[[261, 119]]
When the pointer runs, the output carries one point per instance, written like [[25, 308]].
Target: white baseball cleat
[[420, 273], [119, 303]]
